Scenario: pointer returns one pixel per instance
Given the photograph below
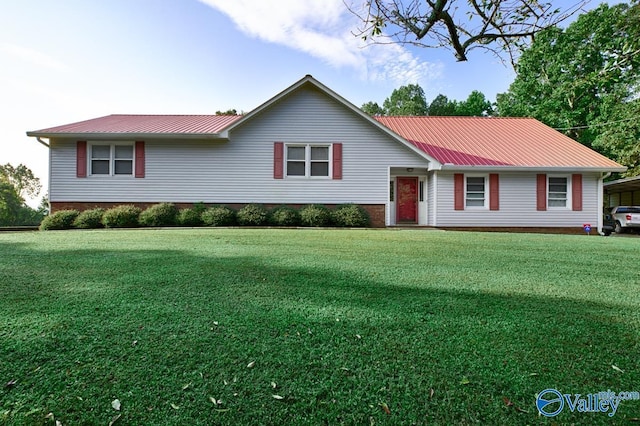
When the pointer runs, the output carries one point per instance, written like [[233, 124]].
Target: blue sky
[[69, 60]]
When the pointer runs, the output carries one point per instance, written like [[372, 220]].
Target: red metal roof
[[141, 124], [488, 141]]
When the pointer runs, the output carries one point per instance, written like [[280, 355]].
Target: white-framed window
[[111, 159], [475, 191], [557, 191], [308, 160]]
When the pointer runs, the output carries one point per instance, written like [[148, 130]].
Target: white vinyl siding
[[517, 204], [240, 170]]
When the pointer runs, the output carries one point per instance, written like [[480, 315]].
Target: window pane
[[295, 168], [99, 167], [124, 167], [475, 188], [557, 184], [320, 153], [295, 153], [100, 151], [475, 203], [475, 195], [319, 169], [124, 151], [557, 203]]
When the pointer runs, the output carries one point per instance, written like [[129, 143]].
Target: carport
[[622, 192]]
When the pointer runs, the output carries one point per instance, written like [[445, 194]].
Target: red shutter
[[541, 192], [576, 192], [494, 192], [81, 159], [278, 160], [139, 159], [458, 191], [337, 161]]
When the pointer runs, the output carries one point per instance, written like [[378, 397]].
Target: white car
[[626, 218]]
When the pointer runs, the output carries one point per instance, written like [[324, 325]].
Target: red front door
[[407, 200]]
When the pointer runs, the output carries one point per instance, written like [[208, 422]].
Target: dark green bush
[[125, 216], [219, 216], [350, 215], [285, 216], [163, 214], [189, 217], [315, 215], [253, 215], [89, 219], [62, 219]]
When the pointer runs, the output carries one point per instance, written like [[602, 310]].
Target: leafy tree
[[442, 106], [476, 105], [620, 136], [406, 100], [575, 79], [227, 112], [460, 26], [22, 179], [10, 203], [15, 184], [372, 108]]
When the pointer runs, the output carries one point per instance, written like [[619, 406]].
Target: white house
[[309, 145]]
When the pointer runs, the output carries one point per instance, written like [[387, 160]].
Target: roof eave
[[549, 169], [129, 136]]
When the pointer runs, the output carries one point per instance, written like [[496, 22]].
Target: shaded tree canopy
[[502, 27], [583, 80], [22, 179], [411, 100], [406, 100]]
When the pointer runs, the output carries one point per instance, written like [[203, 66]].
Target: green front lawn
[[246, 326]]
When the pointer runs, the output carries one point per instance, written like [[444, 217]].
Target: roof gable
[[495, 142]]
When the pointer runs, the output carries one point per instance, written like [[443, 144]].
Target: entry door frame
[[401, 200]]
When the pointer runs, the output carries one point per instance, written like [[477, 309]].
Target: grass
[[313, 326]]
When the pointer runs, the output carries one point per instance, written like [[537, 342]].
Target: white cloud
[[32, 56], [323, 29]]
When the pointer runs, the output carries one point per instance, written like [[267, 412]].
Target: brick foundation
[[376, 211]]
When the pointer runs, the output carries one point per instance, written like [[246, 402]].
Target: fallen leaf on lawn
[[135, 342], [79, 398], [385, 407], [114, 419], [278, 397], [225, 382], [617, 368], [215, 323], [358, 336], [11, 383], [274, 385], [215, 401], [533, 374], [187, 386], [520, 410], [49, 416], [58, 423], [116, 404], [635, 419], [251, 364], [222, 410], [431, 392], [465, 381], [507, 401], [174, 406]]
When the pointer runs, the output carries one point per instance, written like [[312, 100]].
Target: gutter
[[128, 136], [42, 142], [601, 201], [547, 169]]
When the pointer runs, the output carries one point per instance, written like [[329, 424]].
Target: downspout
[[42, 142], [601, 200]]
